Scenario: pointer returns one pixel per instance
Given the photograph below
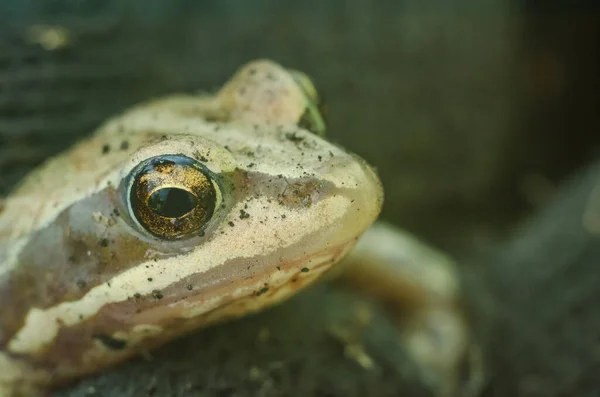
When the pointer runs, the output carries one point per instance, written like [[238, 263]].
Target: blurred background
[[472, 111]]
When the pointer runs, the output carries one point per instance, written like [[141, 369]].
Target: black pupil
[[172, 202]]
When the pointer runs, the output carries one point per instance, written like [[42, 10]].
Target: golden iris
[[173, 196]]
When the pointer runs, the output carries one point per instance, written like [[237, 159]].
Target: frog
[[190, 210]]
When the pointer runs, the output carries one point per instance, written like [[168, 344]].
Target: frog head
[[178, 213]]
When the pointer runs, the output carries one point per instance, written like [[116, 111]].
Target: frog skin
[[183, 212]]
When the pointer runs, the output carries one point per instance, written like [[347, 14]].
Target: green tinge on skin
[[312, 102]]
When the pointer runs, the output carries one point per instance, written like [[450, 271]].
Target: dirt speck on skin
[[110, 342], [299, 194], [262, 291], [293, 137]]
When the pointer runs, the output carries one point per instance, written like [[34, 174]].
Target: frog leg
[[420, 287]]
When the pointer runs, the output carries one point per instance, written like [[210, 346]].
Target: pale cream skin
[[84, 284]]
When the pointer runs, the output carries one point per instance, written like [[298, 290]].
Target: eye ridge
[[172, 196]]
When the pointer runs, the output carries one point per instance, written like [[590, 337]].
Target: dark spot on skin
[[105, 148], [110, 342], [189, 287], [199, 156], [116, 212], [244, 214], [330, 154], [81, 283], [103, 242], [294, 280], [124, 145], [305, 270], [149, 278], [163, 137], [231, 224], [251, 165], [278, 267], [202, 233], [156, 294], [283, 216], [262, 291], [293, 137], [252, 72], [137, 295]]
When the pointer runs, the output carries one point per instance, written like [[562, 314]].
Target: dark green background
[[470, 110]]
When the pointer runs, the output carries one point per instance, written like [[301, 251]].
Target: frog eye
[[313, 117], [172, 196]]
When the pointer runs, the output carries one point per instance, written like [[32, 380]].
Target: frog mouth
[[251, 293]]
